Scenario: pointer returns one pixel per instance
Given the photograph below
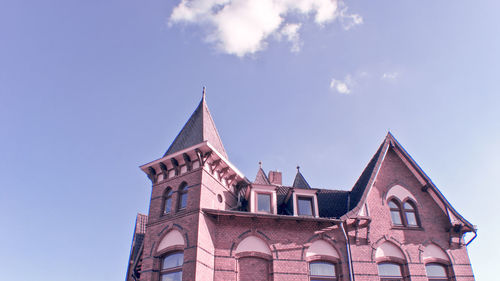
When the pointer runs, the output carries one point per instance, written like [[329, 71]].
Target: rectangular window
[[305, 206], [264, 202]]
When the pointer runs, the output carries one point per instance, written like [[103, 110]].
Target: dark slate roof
[[261, 178], [199, 128], [332, 203], [363, 180], [281, 193], [300, 181]]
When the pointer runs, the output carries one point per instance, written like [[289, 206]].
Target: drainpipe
[[348, 248]]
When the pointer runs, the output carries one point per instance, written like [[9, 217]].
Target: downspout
[[348, 249]]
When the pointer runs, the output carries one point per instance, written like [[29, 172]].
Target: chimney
[[275, 177]]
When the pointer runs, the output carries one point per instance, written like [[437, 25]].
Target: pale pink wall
[[387, 249], [253, 244], [323, 248], [173, 238]]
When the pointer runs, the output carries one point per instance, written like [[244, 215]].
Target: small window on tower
[[182, 195], [305, 206], [167, 205], [264, 202]]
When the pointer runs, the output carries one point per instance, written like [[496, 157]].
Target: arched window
[[322, 270], [395, 212], [254, 259], [171, 267], [436, 272], [410, 214], [167, 201], [389, 271], [182, 195]]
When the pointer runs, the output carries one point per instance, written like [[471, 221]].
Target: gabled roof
[[199, 128], [300, 181], [367, 178], [261, 178]]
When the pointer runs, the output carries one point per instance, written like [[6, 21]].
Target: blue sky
[[90, 90]]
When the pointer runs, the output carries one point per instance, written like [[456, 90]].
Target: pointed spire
[[300, 181], [199, 128], [261, 177]]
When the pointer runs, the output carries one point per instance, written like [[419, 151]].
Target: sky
[[90, 90]]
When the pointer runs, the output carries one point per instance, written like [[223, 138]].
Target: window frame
[[181, 192], [434, 278], [402, 211], [167, 195], [311, 200], [391, 278], [165, 271], [270, 194], [414, 211], [397, 209], [323, 278]]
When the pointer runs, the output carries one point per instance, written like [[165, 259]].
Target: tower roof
[[261, 177], [300, 181], [199, 128]]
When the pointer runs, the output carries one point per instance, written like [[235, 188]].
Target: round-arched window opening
[[219, 198]]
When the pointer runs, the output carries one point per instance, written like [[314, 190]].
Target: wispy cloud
[[342, 86], [242, 27], [390, 76]]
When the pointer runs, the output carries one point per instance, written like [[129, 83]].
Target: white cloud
[[342, 86], [390, 76], [241, 27], [291, 32]]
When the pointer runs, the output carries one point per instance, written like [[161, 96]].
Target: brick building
[[207, 221]]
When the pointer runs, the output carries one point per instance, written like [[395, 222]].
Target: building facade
[[207, 221]]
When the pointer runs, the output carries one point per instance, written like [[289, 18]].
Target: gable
[[371, 173]]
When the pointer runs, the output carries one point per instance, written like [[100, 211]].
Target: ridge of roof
[[261, 178], [200, 127]]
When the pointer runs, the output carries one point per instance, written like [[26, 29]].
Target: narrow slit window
[[167, 206]]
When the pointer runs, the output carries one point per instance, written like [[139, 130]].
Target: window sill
[[403, 227]]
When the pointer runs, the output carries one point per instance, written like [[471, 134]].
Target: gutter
[[348, 248], [472, 239]]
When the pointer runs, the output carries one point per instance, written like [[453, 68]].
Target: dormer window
[[305, 206], [305, 202], [262, 199], [264, 202]]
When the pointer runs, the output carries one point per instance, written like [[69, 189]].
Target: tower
[[194, 173]]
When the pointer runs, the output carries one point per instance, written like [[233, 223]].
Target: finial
[[260, 164], [203, 95], [298, 169]]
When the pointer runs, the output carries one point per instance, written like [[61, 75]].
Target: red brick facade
[[222, 239]]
